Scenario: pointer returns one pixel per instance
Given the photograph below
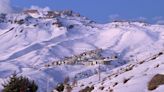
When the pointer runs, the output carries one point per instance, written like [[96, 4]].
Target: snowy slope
[[26, 47], [132, 77]]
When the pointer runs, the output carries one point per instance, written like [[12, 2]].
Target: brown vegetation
[[156, 81]]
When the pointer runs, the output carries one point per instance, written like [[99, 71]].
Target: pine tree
[[19, 84]]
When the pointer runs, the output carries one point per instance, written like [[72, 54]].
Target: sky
[[103, 11]]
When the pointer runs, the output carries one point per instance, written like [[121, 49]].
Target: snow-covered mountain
[[34, 38]]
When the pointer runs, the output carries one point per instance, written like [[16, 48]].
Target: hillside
[[34, 38]]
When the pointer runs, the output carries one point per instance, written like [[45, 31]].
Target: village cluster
[[87, 58]]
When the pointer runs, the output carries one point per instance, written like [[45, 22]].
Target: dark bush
[[141, 62], [20, 22], [70, 26], [157, 66], [126, 80], [60, 87], [81, 85], [111, 90], [153, 58], [160, 53], [87, 89], [156, 81], [115, 84], [129, 68], [19, 84], [101, 88]]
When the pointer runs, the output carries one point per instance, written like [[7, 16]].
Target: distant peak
[[50, 13]]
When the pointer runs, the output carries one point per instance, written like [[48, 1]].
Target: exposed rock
[[156, 81]]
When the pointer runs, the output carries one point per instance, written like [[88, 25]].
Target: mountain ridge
[[29, 40]]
